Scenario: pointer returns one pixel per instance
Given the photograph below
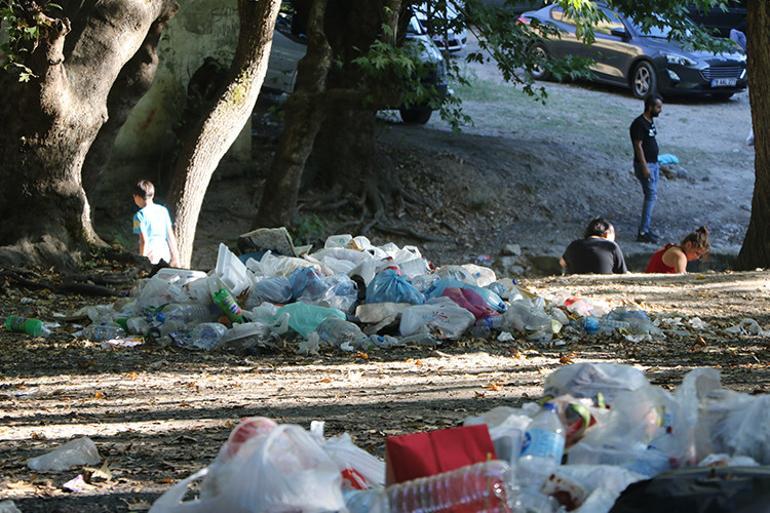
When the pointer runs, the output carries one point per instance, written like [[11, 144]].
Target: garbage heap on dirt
[[591, 445], [351, 295]]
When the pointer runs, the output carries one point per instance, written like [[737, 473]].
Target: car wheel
[[539, 54], [644, 81], [415, 115], [723, 97]]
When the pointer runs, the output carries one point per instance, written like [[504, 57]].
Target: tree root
[[17, 278]]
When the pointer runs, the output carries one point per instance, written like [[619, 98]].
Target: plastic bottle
[[102, 332], [138, 326], [484, 327], [204, 336], [593, 325], [33, 327], [542, 449], [184, 313], [483, 487], [225, 301], [76, 452]]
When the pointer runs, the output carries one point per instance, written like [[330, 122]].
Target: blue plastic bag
[[389, 287], [273, 290], [306, 281]]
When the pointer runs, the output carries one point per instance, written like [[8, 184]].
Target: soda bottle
[[225, 301], [33, 327]]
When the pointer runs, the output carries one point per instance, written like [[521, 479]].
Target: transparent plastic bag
[[305, 318], [492, 301], [276, 289], [440, 316], [263, 467], [589, 379], [360, 469]]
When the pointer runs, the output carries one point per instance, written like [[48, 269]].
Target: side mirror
[[619, 32]]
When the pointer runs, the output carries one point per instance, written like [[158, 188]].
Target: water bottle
[[33, 327], [102, 332], [204, 336], [184, 313], [542, 449], [483, 488], [484, 327], [593, 325], [138, 326]]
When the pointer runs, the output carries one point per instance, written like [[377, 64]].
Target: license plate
[[724, 82]]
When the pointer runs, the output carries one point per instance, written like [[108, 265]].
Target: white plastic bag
[[736, 424], [360, 469], [80, 451], [593, 488], [262, 468], [440, 315]]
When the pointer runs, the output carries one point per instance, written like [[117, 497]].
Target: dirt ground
[[159, 414]]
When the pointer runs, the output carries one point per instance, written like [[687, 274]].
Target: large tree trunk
[[132, 83], [223, 121], [756, 246], [303, 114], [52, 121]]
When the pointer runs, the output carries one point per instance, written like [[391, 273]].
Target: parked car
[[290, 45], [646, 62], [454, 37], [722, 21]]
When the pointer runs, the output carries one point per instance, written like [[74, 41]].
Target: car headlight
[[742, 57], [675, 58]]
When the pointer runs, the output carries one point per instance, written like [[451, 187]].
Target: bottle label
[[544, 444]]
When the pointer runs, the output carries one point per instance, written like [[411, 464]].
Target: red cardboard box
[[425, 454]]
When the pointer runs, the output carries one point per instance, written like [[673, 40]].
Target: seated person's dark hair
[[598, 227]]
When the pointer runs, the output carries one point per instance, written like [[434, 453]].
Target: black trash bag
[[700, 490]]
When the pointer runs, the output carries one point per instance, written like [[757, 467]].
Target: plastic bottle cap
[[549, 406]]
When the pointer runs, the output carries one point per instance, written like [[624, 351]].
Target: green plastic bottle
[[33, 327], [225, 301]]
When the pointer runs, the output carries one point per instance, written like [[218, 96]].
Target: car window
[[558, 14], [415, 28], [611, 23]]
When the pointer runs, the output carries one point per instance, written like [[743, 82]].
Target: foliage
[[23, 25], [308, 229], [397, 74]]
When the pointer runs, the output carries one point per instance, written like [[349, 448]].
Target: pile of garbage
[[351, 295], [599, 428]]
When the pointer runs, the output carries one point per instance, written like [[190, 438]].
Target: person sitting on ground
[[673, 258], [596, 253], [153, 225]]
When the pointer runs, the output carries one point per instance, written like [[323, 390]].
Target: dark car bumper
[[675, 79]]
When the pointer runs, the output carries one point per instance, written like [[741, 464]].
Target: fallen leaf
[[325, 380], [480, 394], [494, 387], [361, 355], [99, 395], [133, 375]]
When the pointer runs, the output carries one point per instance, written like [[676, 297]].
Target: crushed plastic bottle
[[185, 313], [593, 325], [32, 327], [483, 487], [204, 336], [80, 451], [542, 449], [102, 332]]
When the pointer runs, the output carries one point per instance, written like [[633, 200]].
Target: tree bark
[[54, 119], [133, 82], [223, 121], [303, 113], [756, 246]]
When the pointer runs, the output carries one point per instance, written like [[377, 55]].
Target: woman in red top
[[673, 258]]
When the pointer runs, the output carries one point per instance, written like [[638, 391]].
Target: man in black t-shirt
[[596, 253], [643, 133]]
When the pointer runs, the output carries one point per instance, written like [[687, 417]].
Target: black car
[[644, 61]]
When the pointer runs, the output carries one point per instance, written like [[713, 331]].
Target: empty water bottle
[[593, 325], [205, 336], [338, 332], [102, 332], [33, 327], [480, 488], [185, 313], [542, 449], [484, 327]]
